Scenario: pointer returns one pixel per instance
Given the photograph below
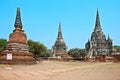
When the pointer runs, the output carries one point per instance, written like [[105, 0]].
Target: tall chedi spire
[[18, 22], [15, 36], [60, 32], [59, 47], [98, 46], [97, 23]]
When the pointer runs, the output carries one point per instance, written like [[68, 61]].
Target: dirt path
[[61, 71]]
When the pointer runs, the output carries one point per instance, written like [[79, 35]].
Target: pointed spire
[[18, 22], [60, 31], [88, 40], [97, 24], [108, 37]]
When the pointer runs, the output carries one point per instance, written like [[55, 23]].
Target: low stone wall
[[58, 59], [116, 58], [101, 58]]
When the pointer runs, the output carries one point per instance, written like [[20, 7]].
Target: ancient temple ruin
[[16, 50], [98, 44], [59, 47]]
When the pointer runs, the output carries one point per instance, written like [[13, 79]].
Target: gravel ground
[[53, 70]]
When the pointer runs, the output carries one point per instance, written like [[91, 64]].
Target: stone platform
[[20, 54], [116, 57]]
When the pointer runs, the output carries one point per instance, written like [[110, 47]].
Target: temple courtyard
[[54, 70]]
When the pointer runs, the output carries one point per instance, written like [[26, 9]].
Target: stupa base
[[17, 58]]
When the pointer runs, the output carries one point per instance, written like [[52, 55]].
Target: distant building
[[59, 47], [98, 44]]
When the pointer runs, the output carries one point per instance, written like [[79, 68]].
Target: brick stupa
[[17, 46]]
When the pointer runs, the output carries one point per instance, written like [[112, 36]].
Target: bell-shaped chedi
[[18, 34], [59, 47], [16, 50]]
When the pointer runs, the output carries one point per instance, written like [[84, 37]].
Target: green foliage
[[77, 53], [2, 44], [47, 54], [117, 48], [37, 48]]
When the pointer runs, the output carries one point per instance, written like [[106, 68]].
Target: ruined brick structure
[[101, 58], [17, 46], [98, 45], [59, 47], [116, 57]]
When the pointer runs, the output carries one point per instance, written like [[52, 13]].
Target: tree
[[77, 53], [2, 43], [37, 48], [117, 48], [47, 54]]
